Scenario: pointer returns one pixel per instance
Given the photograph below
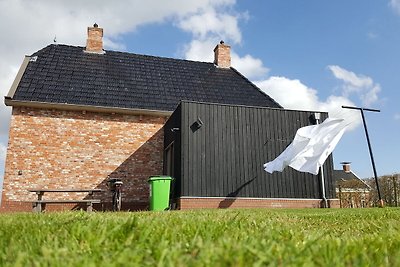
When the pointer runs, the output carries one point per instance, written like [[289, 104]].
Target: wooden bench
[[38, 205]]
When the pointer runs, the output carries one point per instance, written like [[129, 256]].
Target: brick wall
[[77, 149], [214, 203]]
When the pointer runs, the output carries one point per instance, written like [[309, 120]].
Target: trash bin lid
[[156, 178]]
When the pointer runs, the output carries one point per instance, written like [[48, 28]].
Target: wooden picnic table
[[38, 205]]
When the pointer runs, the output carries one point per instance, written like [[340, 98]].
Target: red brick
[[214, 203], [75, 149]]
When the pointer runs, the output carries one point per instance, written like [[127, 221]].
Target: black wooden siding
[[172, 135], [225, 157]]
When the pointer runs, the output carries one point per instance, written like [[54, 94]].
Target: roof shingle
[[67, 74]]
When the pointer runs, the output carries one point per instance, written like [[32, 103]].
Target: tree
[[389, 186]]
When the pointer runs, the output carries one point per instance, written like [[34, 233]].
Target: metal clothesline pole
[[369, 147], [317, 117], [325, 202]]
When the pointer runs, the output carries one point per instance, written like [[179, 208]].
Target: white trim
[[351, 190], [18, 78], [59, 106], [369, 187]]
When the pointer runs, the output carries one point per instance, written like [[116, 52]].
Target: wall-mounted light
[[19, 172], [196, 125]]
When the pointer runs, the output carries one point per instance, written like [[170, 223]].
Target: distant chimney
[[222, 55], [346, 166], [94, 43]]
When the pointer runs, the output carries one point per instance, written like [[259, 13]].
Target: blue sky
[[312, 55]]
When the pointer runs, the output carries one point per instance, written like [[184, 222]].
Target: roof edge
[[360, 179], [72, 107], [18, 78], [256, 87]]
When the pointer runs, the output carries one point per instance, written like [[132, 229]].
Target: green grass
[[257, 237]]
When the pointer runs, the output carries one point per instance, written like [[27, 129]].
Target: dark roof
[[68, 75], [342, 176]]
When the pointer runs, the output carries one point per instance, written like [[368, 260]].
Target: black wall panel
[[225, 156]]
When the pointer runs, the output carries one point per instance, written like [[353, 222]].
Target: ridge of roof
[[120, 52]]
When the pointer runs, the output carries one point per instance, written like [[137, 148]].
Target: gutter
[[64, 106]]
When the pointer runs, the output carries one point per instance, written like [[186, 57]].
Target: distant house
[[82, 115], [351, 191]]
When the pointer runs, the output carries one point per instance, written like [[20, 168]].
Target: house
[[82, 115], [351, 191]]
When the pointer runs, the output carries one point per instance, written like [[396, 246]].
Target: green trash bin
[[159, 192]]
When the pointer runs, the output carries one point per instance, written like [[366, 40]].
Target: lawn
[[256, 237]]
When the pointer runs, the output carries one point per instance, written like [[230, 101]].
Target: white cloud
[[371, 95], [7, 75], [397, 116], [113, 45], [249, 66], [208, 28], [355, 82], [395, 4], [200, 50], [293, 94], [210, 22], [361, 85], [3, 150]]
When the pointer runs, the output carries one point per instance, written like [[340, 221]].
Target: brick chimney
[[346, 166], [94, 43], [222, 55]]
